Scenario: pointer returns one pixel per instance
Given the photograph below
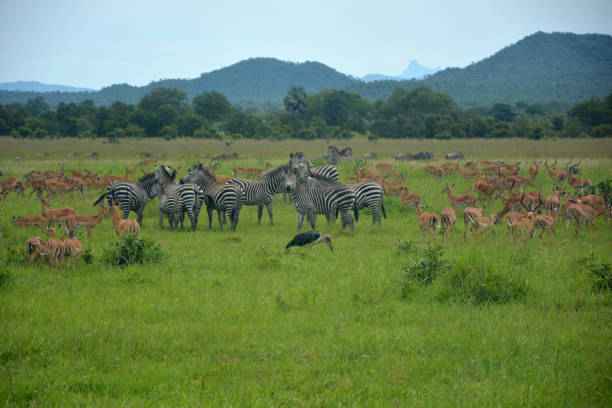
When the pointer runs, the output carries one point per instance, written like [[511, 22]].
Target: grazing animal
[[132, 196], [459, 201], [177, 199], [91, 221], [31, 221], [124, 226], [312, 196], [448, 218], [552, 203], [224, 198], [369, 195], [310, 238], [428, 221], [409, 199], [260, 193], [475, 220], [328, 171]]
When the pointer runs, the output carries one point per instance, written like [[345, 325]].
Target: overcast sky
[[98, 43]]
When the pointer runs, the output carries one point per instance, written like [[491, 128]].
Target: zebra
[[225, 198], [312, 196], [369, 195], [327, 171], [176, 199], [260, 193], [132, 196]]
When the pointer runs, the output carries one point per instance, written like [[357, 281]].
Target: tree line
[[416, 113]]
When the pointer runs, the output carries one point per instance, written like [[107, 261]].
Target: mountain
[[414, 70], [541, 68], [256, 80], [33, 86]]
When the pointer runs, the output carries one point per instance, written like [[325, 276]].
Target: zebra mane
[[273, 173], [147, 178], [326, 183], [205, 170]]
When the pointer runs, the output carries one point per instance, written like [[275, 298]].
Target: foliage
[[131, 250], [601, 272], [475, 281], [425, 269]]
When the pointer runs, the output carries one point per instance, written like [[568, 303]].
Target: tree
[[295, 101], [212, 106], [502, 112]]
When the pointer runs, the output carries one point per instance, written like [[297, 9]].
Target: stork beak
[[329, 244]]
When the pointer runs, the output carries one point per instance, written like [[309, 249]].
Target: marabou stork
[[310, 238]]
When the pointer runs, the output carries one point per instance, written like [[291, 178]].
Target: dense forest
[[418, 113], [541, 68]]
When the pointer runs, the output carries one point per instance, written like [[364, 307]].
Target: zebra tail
[[356, 212], [382, 206], [100, 198]]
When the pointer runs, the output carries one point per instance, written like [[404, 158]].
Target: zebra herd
[[313, 190]]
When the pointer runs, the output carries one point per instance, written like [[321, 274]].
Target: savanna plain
[[231, 319]]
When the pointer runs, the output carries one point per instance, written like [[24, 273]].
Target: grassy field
[[229, 319]]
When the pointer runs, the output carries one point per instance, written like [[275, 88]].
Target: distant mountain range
[[557, 67], [33, 86], [414, 70]]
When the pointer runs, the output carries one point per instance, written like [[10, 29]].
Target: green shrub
[[424, 270], [601, 272], [475, 282], [130, 250]]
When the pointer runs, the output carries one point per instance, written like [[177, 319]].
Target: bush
[[424, 270], [130, 250], [602, 131], [601, 272], [475, 282]]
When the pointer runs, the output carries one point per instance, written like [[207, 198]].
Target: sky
[[94, 43]]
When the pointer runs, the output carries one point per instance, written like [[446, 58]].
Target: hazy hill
[[256, 80], [34, 86], [414, 70], [542, 67], [557, 67]]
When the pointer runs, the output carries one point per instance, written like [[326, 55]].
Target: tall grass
[[230, 319]]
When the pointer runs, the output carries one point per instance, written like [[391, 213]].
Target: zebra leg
[[193, 217], [300, 221], [221, 215], [139, 215], [209, 210], [312, 219], [161, 219], [259, 213], [269, 208], [236, 217]]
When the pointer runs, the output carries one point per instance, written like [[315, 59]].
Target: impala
[[460, 200]]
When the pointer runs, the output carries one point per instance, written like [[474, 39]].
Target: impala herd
[[523, 212]]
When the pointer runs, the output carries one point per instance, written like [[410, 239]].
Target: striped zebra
[[260, 193], [312, 196], [369, 195], [327, 171], [177, 199], [132, 196], [224, 198]]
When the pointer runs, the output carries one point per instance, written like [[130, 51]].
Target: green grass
[[229, 319]]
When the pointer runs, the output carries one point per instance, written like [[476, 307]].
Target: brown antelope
[[384, 168], [124, 227], [448, 218], [91, 221], [578, 183], [552, 203], [524, 222], [434, 171], [409, 199], [464, 200], [545, 222], [555, 174], [485, 189], [36, 249], [531, 201], [475, 220], [31, 221], [595, 201], [534, 169], [581, 214], [428, 221], [65, 216], [247, 171]]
